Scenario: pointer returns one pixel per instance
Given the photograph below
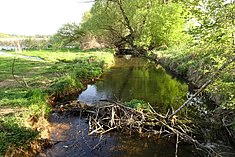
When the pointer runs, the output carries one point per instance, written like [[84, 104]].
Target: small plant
[[139, 105]]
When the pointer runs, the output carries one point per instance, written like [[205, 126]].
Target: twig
[[104, 132], [100, 141], [176, 145]]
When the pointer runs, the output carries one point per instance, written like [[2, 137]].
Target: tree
[[137, 26], [215, 35], [69, 34]]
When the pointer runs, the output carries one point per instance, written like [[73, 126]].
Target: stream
[[134, 78]]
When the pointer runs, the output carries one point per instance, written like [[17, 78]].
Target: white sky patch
[[29, 17]]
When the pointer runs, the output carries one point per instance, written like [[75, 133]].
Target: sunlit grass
[[24, 102]]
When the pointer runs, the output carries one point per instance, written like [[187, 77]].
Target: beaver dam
[[128, 112]]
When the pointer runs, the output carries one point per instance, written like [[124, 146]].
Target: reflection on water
[[129, 79], [137, 78]]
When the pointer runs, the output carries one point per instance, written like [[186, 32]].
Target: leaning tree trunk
[[127, 21]]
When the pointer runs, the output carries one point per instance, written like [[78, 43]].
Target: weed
[[139, 105]]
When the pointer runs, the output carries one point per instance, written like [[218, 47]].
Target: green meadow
[[28, 84]]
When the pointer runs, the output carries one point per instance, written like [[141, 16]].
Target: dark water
[[70, 135], [129, 79], [137, 78]]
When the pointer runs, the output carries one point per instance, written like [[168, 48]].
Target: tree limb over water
[[214, 77]]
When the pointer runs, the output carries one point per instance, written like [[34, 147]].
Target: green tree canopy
[[69, 34], [142, 24]]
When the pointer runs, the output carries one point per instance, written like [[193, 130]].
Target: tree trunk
[[127, 21]]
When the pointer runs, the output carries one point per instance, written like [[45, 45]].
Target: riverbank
[[197, 68], [28, 86]]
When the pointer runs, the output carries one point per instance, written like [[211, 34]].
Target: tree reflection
[[138, 78]]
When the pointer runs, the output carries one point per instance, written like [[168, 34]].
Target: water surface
[[137, 78], [133, 78]]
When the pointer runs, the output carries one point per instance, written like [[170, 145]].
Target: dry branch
[[214, 77], [110, 116], [116, 116]]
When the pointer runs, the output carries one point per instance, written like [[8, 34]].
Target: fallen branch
[[110, 116], [116, 116], [214, 77]]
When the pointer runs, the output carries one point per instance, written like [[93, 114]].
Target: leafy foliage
[[139, 105], [211, 25], [68, 35], [145, 23]]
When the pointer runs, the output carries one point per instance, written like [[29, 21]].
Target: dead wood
[[110, 116]]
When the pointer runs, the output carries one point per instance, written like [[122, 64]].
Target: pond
[[134, 78]]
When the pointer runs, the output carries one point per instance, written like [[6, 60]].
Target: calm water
[[137, 78], [129, 79]]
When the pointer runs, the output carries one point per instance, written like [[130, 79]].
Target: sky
[[45, 17]]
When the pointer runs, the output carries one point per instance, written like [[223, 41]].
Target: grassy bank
[[26, 86], [198, 66]]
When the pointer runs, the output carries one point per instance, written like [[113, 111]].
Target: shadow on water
[[135, 78]]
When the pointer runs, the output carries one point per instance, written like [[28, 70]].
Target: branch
[[24, 84], [203, 86]]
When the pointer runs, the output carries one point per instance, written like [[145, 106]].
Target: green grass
[[199, 65], [14, 135], [61, 72]]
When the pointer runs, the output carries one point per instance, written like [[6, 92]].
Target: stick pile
[[112, 116]]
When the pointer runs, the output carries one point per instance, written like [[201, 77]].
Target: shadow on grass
[[13, 135]]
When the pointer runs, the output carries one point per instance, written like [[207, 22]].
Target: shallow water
[[70, 135], [133, 78]]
